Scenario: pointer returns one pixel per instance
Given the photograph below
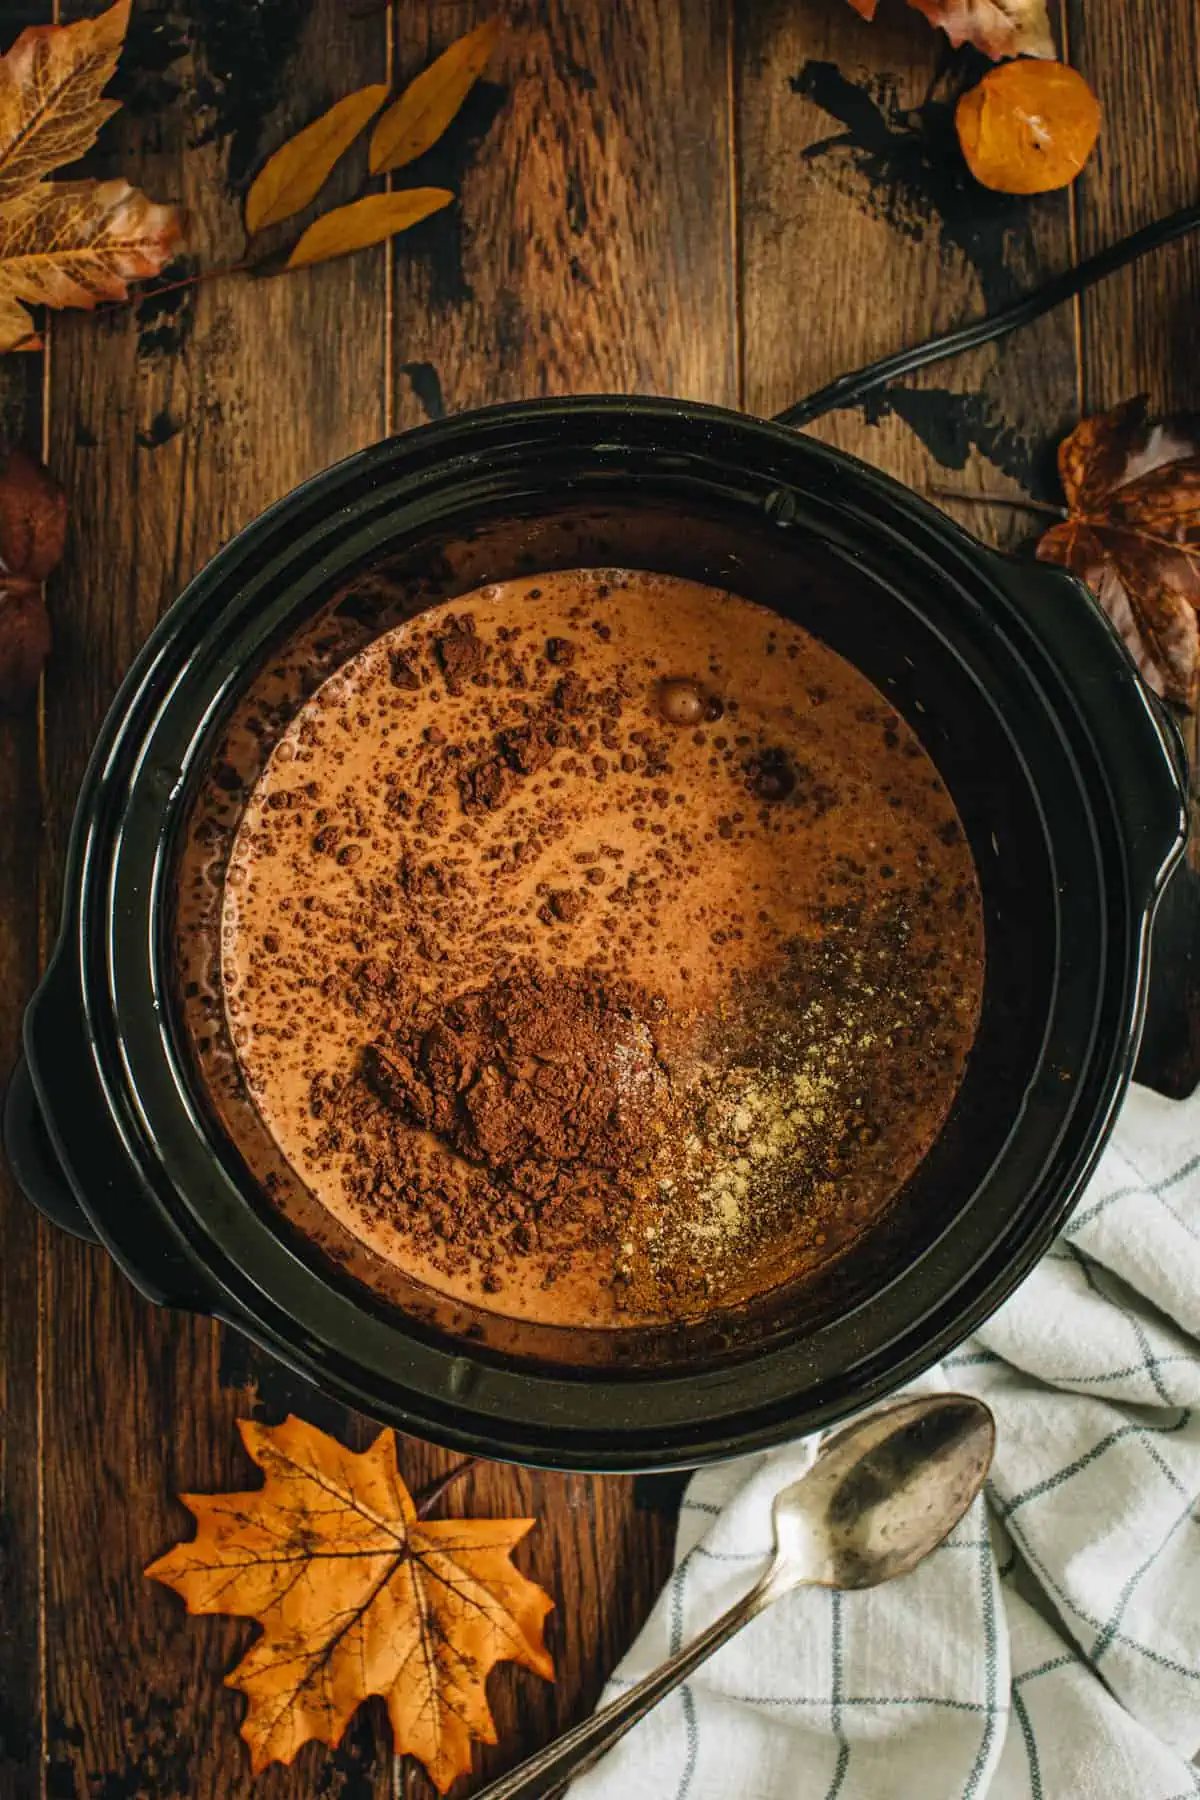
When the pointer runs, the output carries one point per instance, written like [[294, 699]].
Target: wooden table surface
[[731, 200]]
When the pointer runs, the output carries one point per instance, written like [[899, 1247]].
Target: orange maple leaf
[[67, 244], [357, 1596]]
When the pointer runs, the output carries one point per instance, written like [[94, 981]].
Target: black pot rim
[[72, 1029]]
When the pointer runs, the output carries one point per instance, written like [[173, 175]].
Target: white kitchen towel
[[1050, 1650]]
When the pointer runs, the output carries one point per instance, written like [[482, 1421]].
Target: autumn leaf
[[1132, 487], [997, 27], [365, 222], [51, 84], [33, 523], [16, 327], [24, 645], [76, 243], [357, 1596], [428, 104], [1028, 127], [66, 244], [298, 171], [33, 518]]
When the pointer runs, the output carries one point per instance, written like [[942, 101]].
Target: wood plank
[[20, 1282], [1137, 336], [591, 249], [592, 252], [174, 422], [862, 232], [1138, 327]]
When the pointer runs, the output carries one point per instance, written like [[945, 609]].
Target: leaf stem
[[145, 291], [981, 497], [427, 1498]]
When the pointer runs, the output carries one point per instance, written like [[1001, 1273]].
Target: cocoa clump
[[567, 905], [461, 653], [550, 1087], [526, 748], [486, 787], [571, 694]]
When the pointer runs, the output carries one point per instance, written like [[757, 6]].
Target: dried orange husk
[[1028, 127]]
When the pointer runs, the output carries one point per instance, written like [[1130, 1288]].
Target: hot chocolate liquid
[[601, 948]]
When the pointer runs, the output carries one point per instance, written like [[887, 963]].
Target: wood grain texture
[[591, 247], [173, 424], [1137, 335], [20, 1230], [861, 233], [1138, 327]]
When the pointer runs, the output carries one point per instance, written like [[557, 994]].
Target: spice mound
[[535, 1102], [531, 1077]]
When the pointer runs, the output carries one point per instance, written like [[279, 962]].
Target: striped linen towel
[[1050, 1650]]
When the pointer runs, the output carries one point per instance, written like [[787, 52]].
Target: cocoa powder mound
[[529, 1074], [546, 1096]]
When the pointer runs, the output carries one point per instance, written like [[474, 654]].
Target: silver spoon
[[882, 1493]]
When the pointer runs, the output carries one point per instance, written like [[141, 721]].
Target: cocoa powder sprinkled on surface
[[486, 889]]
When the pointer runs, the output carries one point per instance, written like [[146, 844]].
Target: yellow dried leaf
[[16, 327], [75, 243], [365, 222], [299, 170], [357, 1596], [50, 95], [429, 103]]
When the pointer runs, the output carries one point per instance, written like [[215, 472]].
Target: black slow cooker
[[126, 1123]]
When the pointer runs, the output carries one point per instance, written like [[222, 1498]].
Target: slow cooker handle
[[142, 1242], [30, 1155], [1152, 811]]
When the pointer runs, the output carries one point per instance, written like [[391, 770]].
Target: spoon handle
[[578, 1749]]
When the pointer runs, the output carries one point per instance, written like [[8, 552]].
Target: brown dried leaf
[[33, 523], [1133, 535], [428, 104], [24, 640], [76, 243], [357, 1596], [997, 27], [33, 518], [298, 171], [51, 83], [365, 222]]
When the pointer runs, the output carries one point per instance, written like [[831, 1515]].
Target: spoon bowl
[[883, 1492], [880, 1494]]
